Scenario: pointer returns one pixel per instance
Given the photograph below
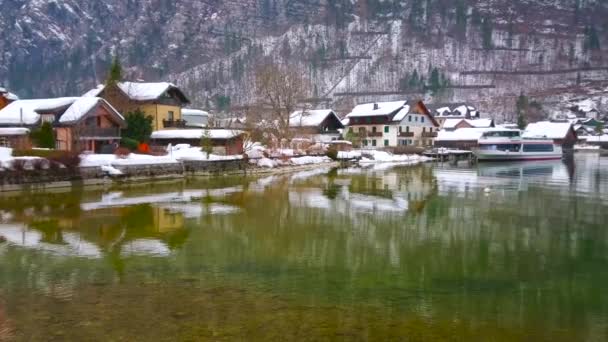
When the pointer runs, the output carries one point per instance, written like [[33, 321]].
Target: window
[[373, 142], [386, 129], [423, 129], [402, 142], [4, 142], [422, 119], [538, 147], [170, 115], [407, 129], [416, 119], [374, 130], [500, 147], [368, 120], [409, 118], [385, 142], [364, 142], [400, 129]]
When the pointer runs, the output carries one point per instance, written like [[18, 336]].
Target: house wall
[[65, 136], [3, 102], [17, 142], [414, 123]]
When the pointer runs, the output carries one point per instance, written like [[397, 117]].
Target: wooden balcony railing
[[429, 134], [95, 132], [374, 134], [174, 123], [406, 134]]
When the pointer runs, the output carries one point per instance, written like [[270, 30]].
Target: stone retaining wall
[[210, 167]]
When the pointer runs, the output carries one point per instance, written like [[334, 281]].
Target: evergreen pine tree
[[521, 108], [486, 33], [115, 74]]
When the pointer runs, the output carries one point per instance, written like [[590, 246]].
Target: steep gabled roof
[[311, 118], [377, 109], [84, 106], [142, 91], [547, 129]]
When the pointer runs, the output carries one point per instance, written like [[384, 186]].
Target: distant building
[[561, 133], [318, 126], [224, 141], [80, 123], [443, 112], [162, 101], [195, 118], [462, 138], [454, 124], [393, 124]]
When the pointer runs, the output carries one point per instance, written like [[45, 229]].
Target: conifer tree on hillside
[[115, 73]]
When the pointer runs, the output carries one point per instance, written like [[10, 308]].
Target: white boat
[[508, 145]]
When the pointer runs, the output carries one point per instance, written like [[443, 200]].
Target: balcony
[[406, 134], [374, 134], [174, 123], [429, 134], [99, 132]]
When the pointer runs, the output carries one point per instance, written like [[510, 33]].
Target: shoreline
[[107, 181]]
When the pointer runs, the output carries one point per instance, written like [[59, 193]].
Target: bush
[[129, 143], [122, 153], [70, 160], [332, 153]]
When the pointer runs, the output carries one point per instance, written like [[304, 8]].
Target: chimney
[[376, 107]]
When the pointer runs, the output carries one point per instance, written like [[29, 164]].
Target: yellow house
[[161, 101]]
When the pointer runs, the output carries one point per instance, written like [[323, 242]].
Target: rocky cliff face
[[482, 51]]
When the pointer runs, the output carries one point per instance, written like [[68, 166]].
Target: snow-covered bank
[[295, 161], [587, 148], [367, 157]]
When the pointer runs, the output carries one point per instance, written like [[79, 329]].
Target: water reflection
[[425, 244]]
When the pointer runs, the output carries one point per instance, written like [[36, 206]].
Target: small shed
[[224, 141], [17, 138], [462, 138]]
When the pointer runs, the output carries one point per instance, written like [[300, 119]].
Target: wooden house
[[318, 126], [17, 138], [562, 133], [393, 124], [6, 97], [162, 101]]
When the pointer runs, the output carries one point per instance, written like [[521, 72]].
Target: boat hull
[[515, 156]]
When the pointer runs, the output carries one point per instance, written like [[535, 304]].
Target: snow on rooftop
[[586, 105], [443, 111], [461, 134], [309, 118], [193, 112], [376, 109], [138, 91], [402, 113], [79, 108], [547, 129], [196, 133], [462, 110], [11, 96], [27, 112], [477, 123], [9, 131], [595, 138]]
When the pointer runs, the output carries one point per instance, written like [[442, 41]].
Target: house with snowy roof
[[318, 126], [6, 97], [443, 112], [393, 124], [160, 100], [15, 137], [80, 123], [561, 133], [454, 124]]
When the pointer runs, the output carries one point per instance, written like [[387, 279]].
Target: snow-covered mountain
[[485, 52]]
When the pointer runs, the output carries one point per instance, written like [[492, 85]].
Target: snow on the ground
[[6, 153], [373, 156], [7, 159], [111, 170], [295, 161], [596, 138], [92, 160], [349, 154], [187, 152], [586, 147]]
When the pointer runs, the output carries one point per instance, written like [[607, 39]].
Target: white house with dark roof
[[393, 124], [318, 126]]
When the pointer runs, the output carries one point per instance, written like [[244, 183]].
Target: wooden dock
[[444, 155]]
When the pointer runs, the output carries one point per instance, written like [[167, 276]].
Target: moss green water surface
[[494, 252]]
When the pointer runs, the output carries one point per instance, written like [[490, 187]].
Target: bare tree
[[279, 92]]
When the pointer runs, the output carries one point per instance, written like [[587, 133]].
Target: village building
[[317, 126], [562, 133], [195, 118], [162, 101], [393, 124], [6, 97], [80, 123], [223, 141], [15, 137], [454, 124], [444, 112], [233, 122]]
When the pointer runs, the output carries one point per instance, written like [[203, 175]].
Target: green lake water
[[493, 252]]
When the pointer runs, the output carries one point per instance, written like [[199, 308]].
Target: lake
[[511, 251]]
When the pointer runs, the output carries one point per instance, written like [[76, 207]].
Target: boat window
[[501, 147], [538, 148]]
